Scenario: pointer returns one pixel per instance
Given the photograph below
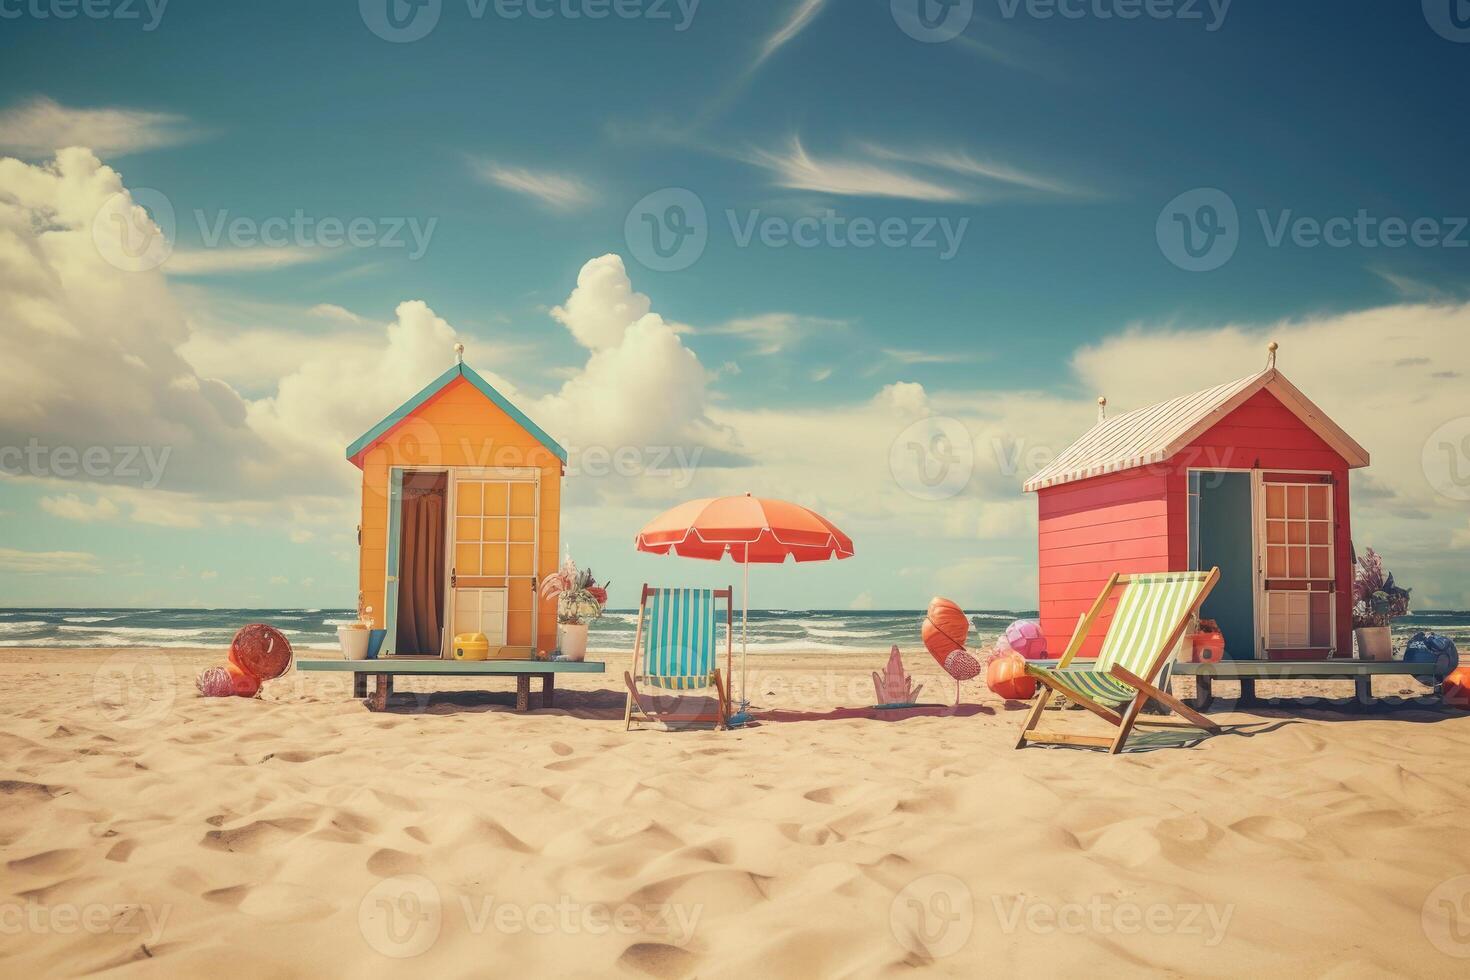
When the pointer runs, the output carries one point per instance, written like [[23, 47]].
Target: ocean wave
[[90, 619], [22, 626]]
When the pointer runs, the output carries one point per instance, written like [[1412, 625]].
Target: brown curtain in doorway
[[421, 567]]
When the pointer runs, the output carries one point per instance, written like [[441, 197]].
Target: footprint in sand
[[256, 834], [561, 748], [1269, 830], [121, 851], [658, 960], [387, 862]]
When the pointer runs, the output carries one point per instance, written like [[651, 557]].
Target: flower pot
[[1374, 643], [354, 641], [572, 640]]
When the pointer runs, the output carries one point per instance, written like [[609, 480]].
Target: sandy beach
[[147, 831]]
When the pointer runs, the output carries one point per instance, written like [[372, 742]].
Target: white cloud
[[796, 169], [48, 562], [558, 191], [802, 14], [771, 333], [862, 601], [212, 261], [961, 163], [331, 311], [603, 305], [40, 127], [301, 536], [70, 507]]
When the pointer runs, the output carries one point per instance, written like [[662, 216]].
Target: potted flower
[[579, 600], [1377, 602]]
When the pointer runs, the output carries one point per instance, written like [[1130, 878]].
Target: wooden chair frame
[[640, 706], [1144, 686]]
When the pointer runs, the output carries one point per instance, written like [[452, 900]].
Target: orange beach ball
[[1007, 677], [1457, 688]]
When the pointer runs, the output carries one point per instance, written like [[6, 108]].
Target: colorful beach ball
[[1025, 637]]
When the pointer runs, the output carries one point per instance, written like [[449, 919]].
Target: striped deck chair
[[674, 651], [1151, 616]]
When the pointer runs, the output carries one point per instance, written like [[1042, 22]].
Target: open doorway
[[422, 534], [1221, 534]]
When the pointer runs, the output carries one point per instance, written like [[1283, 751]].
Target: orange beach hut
[[461, 504], [1249, 476]]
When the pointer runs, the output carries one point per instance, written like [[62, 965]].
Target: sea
[[771, 630]]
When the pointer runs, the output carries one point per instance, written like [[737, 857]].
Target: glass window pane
[[1319, 565], [1317, 503], [1275, 562], [494, 498], [470, 502], [522, 498], [1296, 532], [1275, 501], [521, 559], [1296, 501], [494, 559], [1297, 563], [1319, 532], [522, 528], [467, 559], [1276, 532], [466, 529]]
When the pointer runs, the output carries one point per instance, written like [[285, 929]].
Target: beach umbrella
[[750, 530]]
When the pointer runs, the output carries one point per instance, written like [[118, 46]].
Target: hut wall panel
[[1088, 530], [458, 427]]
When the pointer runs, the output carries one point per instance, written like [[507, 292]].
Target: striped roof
[[1153, 434]]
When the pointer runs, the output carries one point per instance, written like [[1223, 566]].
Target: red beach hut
[[1249, 476]]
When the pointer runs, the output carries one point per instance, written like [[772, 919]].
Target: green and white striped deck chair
[[1151, 616], [675, 652]]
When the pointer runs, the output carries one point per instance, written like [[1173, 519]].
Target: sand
[[146, 831]]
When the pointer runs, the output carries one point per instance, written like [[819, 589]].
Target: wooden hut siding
[[1089, 530], [456, 427], [1137, 520]]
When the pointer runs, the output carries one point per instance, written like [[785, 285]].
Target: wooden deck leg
[[1363, 689], [548, 690], [1247, 690], [359, 685], [523, 692], [1204, 692], [382, 692]]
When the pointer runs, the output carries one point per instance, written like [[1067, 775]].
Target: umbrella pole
[[744, 622]]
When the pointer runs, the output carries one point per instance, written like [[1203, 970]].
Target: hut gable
[[1156, 433]]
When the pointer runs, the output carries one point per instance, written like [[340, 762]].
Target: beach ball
[[1025, 637], [945, 629], [1457, 688], [262, 651], [246, 684], [1006, 676]]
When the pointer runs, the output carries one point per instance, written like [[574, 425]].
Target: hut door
[[1297, 578], [493, 573]]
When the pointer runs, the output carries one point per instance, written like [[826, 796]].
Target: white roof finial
[[1271, 356], [459, 353], [1102, 408]]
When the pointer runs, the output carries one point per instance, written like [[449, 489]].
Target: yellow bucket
[[471, 646]]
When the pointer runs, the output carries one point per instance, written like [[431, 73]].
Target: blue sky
[[1050, 143]]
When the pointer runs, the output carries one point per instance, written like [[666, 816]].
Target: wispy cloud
[[962, 164], [70, 507], [910, 356], [878, 170], [48, 562], [558, 191], [209, 261], [42, 126], [771, 333], [796, 169], [802, 14]]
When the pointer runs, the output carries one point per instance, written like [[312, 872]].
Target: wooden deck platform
[[522, 670], [1247, 672]]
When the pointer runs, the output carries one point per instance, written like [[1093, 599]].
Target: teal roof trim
[[437, 385]]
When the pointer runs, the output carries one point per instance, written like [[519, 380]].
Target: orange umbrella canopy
[[748, 529]]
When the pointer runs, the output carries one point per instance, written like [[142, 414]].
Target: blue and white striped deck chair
[[1148, 621], [675, 652]]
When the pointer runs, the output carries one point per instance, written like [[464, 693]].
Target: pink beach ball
[[1025, 637]]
